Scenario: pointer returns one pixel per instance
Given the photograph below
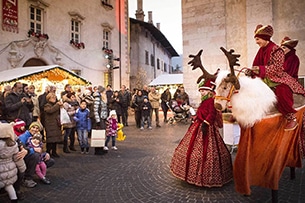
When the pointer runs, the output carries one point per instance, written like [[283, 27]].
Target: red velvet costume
[[270, 60], [292, 63], [203, 160]]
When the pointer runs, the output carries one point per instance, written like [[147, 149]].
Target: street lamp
[[109, 65]]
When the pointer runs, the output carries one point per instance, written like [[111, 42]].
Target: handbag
[[98, 138], [64, 116]]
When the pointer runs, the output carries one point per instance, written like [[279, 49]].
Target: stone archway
[[34, 62]]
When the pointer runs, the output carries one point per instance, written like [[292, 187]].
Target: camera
[[19, 144]]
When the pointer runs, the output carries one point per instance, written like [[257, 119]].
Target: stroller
[[181, 113]]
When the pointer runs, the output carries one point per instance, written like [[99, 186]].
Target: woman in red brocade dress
[[202, 158]]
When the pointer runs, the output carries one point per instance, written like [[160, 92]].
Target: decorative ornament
[[37, 36], [80, 45]]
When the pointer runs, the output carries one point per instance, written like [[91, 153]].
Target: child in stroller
[[180, 111]]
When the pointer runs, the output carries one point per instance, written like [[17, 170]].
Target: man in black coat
[[18, 105]]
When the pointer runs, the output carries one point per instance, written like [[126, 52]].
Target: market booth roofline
[[52, 72], [167, 79]]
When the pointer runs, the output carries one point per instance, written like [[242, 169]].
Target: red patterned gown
[[203, 160]]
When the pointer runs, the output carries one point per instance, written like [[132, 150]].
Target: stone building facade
[[68, 33], [150, 51], [209, 25]]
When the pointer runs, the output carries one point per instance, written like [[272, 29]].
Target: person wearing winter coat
[[138, 100], [34, 98], [111, 130], [9, 164], [87, 96], [116, 105], [100, 113], [18, 105], [154, 99], [52, 124], [70, 105], [124, 96], [145, 112], [33, 155], [83, 125], [165, 98], [35, 142]]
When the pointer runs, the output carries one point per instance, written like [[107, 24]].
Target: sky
[[165, 12]]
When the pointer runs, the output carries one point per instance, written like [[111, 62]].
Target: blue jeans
[[82, 136], [108, 139], [69, 133], [146, 118]]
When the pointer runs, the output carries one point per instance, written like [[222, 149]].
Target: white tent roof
[[52, 72], [167, 79]]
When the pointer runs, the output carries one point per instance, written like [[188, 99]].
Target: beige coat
[[154, 99]]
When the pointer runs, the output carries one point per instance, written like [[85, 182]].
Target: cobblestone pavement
[[138, 172]]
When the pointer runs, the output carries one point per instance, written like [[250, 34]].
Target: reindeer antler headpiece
[[233, 61], [196, 63]]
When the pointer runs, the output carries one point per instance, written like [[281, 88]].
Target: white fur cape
[[251, 103]]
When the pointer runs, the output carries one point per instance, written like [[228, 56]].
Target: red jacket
[[270, 60]]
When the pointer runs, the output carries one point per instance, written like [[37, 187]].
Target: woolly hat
[[36, 124], [290, 43], [263, 32], [18, 124], [6, 130], [37, 137], [112, 112], [206, 85]]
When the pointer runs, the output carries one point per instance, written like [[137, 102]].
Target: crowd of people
[[35, 121]]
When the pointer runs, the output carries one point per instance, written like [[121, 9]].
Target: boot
[[54, 153], [65, 148], [72, 148]]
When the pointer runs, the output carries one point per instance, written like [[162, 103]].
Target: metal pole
[[120, 49]]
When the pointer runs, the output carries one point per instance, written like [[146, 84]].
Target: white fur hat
[[6, 130], [112, 112]]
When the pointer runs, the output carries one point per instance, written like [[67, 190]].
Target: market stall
[[41, 76], [164, 81]]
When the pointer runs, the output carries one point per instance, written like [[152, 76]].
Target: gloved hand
[[248, 72], [204, 128], [253, 72]]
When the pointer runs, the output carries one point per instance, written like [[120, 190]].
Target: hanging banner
[[10, 15]]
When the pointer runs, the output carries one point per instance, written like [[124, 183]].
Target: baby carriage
[[181, 112]]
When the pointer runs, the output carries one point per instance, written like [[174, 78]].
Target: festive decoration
[[52, 73], [10, 15], [39, 36], [80, 45], [107, 51]]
